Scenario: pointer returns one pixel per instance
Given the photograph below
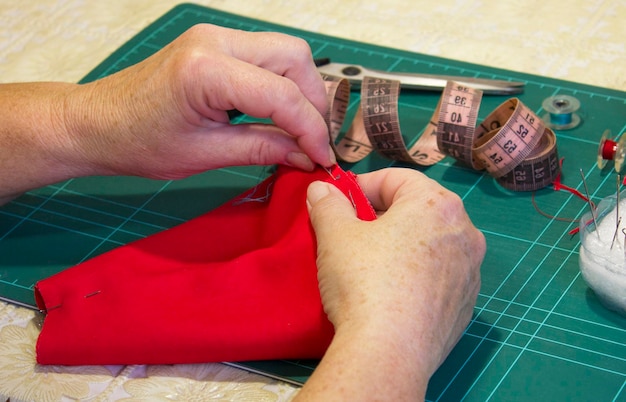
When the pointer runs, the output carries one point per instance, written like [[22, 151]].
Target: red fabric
[[238, 283]]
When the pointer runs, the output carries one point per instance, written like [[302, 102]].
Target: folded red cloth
[[237, 283]]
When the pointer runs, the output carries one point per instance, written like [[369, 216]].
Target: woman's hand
[[399, 290], [167, 116]]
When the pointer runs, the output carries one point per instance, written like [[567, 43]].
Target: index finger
[[271, 75], [261, 93], [284, 55]]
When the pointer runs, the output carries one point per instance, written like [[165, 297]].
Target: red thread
[[558, 185]]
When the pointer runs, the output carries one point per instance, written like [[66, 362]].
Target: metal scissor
[[429, 82]]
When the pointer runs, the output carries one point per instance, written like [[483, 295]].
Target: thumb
[[328, 207]]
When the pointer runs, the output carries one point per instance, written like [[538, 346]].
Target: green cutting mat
[[538, 332]]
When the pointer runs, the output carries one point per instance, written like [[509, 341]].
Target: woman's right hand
[[405, 285]]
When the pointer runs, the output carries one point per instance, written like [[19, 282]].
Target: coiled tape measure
[[512, 144]]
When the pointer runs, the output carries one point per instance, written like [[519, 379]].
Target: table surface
[[65, 40]]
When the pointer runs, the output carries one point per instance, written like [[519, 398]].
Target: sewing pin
[[330, 173], [615, 233], [624, 233], [618, 218], [593, 213], [618, 182]]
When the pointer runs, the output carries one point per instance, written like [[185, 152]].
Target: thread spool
[[609, 149], [561, 112]]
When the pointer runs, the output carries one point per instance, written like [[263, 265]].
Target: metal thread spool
[[609, 149], [561, 112]]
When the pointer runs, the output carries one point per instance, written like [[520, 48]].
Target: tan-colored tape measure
[[512, 143]]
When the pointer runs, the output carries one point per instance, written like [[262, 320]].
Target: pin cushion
[[602, 256]]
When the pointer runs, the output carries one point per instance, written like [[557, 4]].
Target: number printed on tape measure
[[457, 121], [502, 149], [512, 143]]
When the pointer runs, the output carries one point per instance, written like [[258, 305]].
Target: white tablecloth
[[62, 40]]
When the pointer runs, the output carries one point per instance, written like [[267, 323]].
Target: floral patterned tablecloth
[[62, 40]]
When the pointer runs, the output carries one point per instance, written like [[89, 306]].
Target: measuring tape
[[512, 144]]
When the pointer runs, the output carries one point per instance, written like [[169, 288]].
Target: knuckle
[[301, 48], [298, 49], [198, 29], [205, 31], [261, 153], [289, 96]]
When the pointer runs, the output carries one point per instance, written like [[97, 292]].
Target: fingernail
[[299, 160], [316, 191], [333, 158]]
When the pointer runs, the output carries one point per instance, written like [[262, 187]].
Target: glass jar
[[602, 259]]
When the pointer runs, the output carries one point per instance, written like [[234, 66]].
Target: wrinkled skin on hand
[[167, 116], [406, 282]]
